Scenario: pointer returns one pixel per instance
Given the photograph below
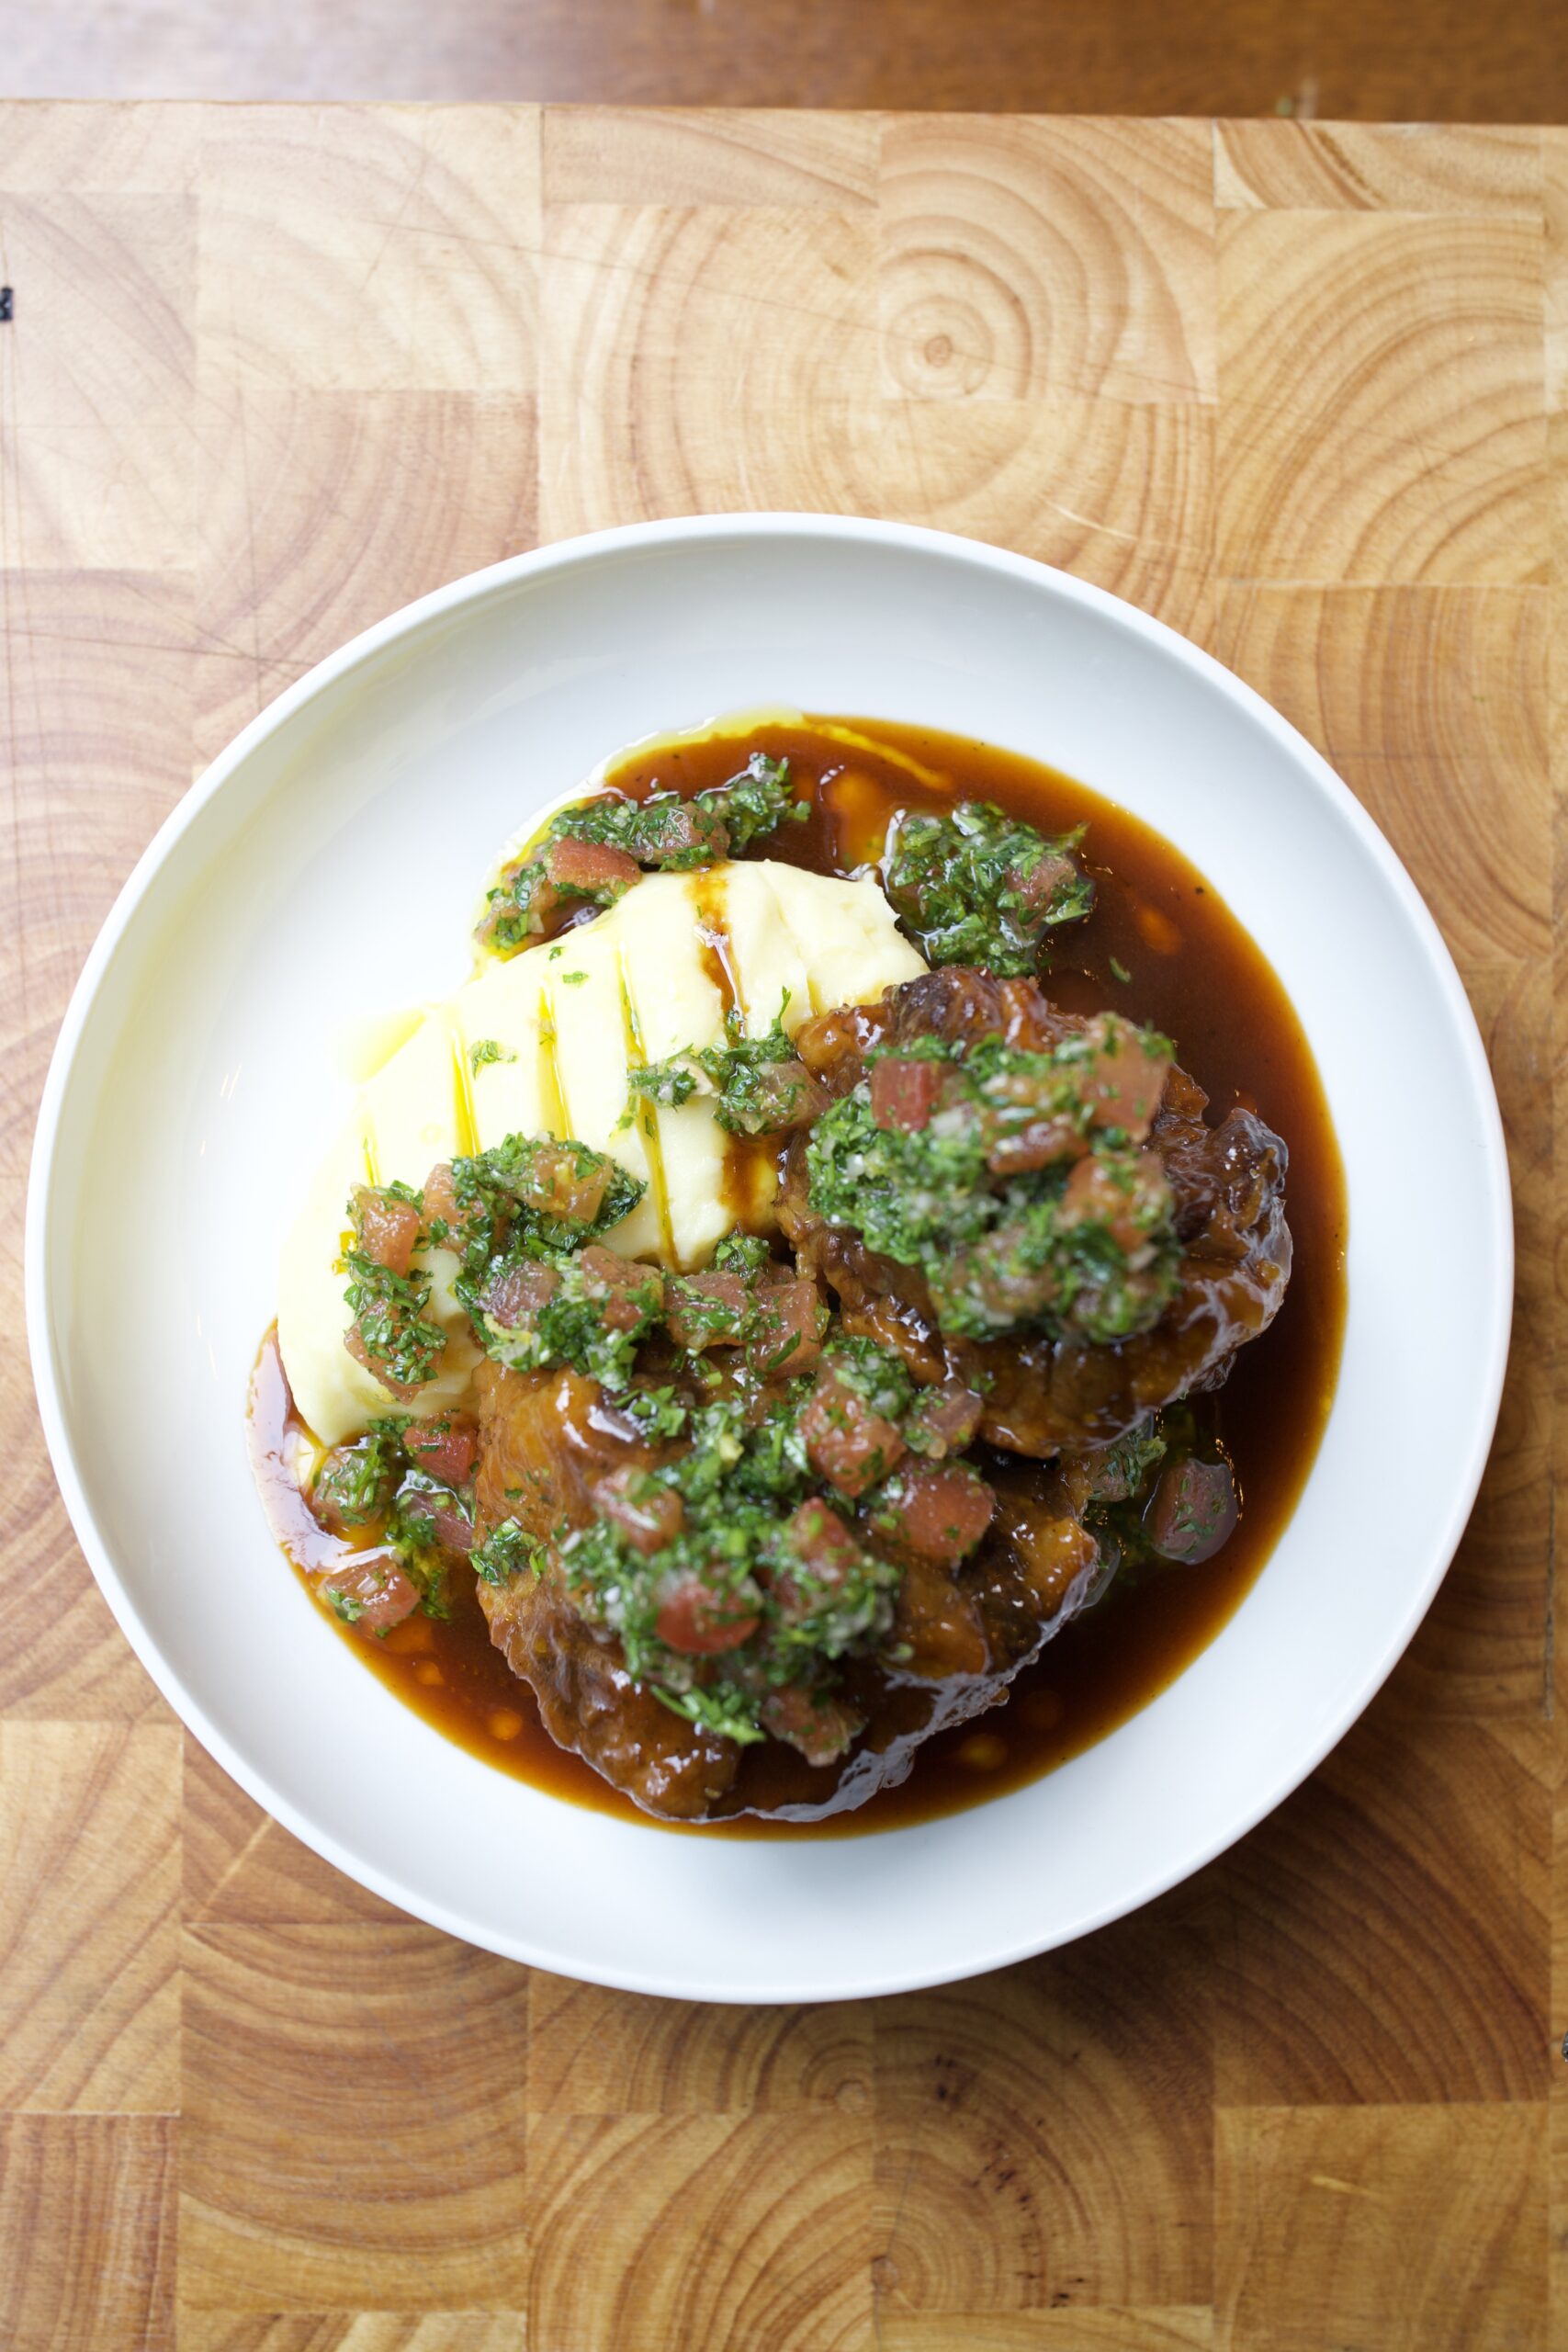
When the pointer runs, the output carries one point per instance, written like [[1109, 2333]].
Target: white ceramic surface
[[193, 1088]]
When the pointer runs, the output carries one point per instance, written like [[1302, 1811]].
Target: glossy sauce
[[1193, 972]]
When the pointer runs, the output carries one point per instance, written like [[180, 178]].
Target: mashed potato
[[542, 1044]]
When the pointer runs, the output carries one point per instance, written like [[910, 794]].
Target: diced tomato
[[590, 867], [1024, 1123], [441, 1205], [994, 1273], [353, 1485], [706, 1310], [1035, 886], [824, 1545], [649, 1513], [701, 1622], [817, 1723], [388, 1228], [452, 1529], [371, 1591], [447, 1447], [943, 1419], [847, 1442], [516, 1296], [786, 1330], [525, 898], [1127, 1203], [403, 1390], [1192, 1511], [1127, 1082], [940, 1510], [557, 1184], [631, 1291], [675, 828], [904, 1093], [783, 1094]]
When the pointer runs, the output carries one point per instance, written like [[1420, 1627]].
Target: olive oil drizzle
[[647, 1113], [552, 1093]]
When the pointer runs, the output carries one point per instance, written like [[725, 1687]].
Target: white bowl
[[193, 1087]]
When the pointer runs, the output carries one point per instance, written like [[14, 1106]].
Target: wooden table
[[271, 372]]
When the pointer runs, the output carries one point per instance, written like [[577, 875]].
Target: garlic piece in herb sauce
[[569, 1020]]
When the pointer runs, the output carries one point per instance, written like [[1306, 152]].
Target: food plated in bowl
[[781, 1293], [325, 867]]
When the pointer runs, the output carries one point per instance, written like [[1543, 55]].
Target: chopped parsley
[[1000, 1254], [411, 1532], [485, 1050], [505, 1553], [355, 1483], [742, 1254], [517, 1199], [755, 802], [743, 1475], [758, 1083], [658, 1412], [976, 887], [572, 1328], [387, 1312], [524, 1200], [725, 1712], [878, 1378], [662, 830]]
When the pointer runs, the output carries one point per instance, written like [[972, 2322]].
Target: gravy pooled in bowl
[[814, 1331]]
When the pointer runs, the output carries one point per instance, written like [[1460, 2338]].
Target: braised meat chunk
[[669, 1608], [1110, 1268]]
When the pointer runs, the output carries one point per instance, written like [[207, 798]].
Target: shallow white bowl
[[325, 866]]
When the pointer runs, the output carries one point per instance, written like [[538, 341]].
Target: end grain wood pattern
[[1301, 392]]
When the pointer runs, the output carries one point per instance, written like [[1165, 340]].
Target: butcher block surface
[[1300, 391]]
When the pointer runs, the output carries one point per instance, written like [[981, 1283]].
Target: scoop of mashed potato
[[544, 1045]]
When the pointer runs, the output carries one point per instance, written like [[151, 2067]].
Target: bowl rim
[[565, 555]]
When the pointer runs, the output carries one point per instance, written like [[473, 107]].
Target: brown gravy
[[1194, 973]]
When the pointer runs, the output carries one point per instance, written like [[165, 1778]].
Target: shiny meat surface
[[544, 1441], [548, 1441]]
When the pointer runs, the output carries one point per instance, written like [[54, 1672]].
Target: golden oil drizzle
[[932, 778], [463, 1099], [747, 1175], [552, 1095], [647, 1116], [711, 900]]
